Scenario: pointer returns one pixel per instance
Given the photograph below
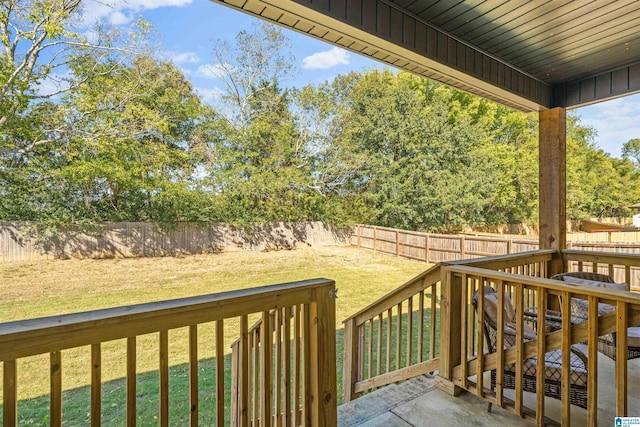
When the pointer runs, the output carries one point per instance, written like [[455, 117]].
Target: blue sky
[[188, 29]]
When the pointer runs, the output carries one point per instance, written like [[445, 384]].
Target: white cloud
[[211, 71], [209, 95], [119, 18], [181, 57], [119, 12], [616, 122], [327, 59]]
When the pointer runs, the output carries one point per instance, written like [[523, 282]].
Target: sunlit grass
[[45, 288]]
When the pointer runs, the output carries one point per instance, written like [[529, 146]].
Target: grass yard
[[45, 288]]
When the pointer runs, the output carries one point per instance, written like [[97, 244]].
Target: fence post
[[375, 236], [322, 357], [358, 235], [509, 246], [426, 248], [397, 244], [462, 247], [350, 365]]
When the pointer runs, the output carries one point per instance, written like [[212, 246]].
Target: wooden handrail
[[602, 257], [420, 282]]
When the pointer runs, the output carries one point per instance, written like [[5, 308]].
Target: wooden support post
[[322, 357], [552, 184], [450, 328], [351, 351]]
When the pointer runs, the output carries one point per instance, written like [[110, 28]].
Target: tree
[[423, 170], [39, 45], [120, 144], [631, 150]]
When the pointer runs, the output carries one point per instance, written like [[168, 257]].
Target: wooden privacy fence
[[433, 248], [307, 392], [131, 239]]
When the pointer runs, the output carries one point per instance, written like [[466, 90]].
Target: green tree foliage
[[631, 150], [264, 165], [102, 131]]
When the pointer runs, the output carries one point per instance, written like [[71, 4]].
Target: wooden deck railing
[[311, 303], [465, 360], [397, 337], [620, 266], [394, 338], [282, 336]]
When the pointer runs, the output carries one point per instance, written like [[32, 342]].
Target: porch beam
[[553, 184]]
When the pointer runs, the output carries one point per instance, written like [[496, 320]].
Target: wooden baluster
[[370, 349], [277, 348], [9, 393], [131, 381], [266, 338], [420, 326], [540, 355], [519, 306], [55, 411], [220, 373], [243, 381], [566, 358], [164, 378], [379, 355], [621, 358], [307, 393], [389, 339], [480, 333], [286, 350], [592, 363], [499, 344], [297, 365], [96, 385], [399, 336], [193, 375], [409, 330], [464, 333], [432, 331], [255, 364]]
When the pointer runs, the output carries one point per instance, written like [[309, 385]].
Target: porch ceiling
[[528, 55]]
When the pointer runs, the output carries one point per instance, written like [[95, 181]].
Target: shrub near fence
[[146, 239]]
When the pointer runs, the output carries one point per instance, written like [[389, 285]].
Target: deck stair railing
[[305, 309], [397, 337]]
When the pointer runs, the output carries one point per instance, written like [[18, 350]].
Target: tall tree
[[631, 150]]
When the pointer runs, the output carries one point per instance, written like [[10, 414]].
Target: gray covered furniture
[[553, 359], [580, 310]]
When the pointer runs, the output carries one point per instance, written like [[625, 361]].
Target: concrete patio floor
[[418, 402]]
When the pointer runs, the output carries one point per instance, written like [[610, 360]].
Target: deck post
[[450, 330], [351, 351], [322, 358], [553, 184]]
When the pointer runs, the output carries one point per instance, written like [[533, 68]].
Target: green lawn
[[43, 288]]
